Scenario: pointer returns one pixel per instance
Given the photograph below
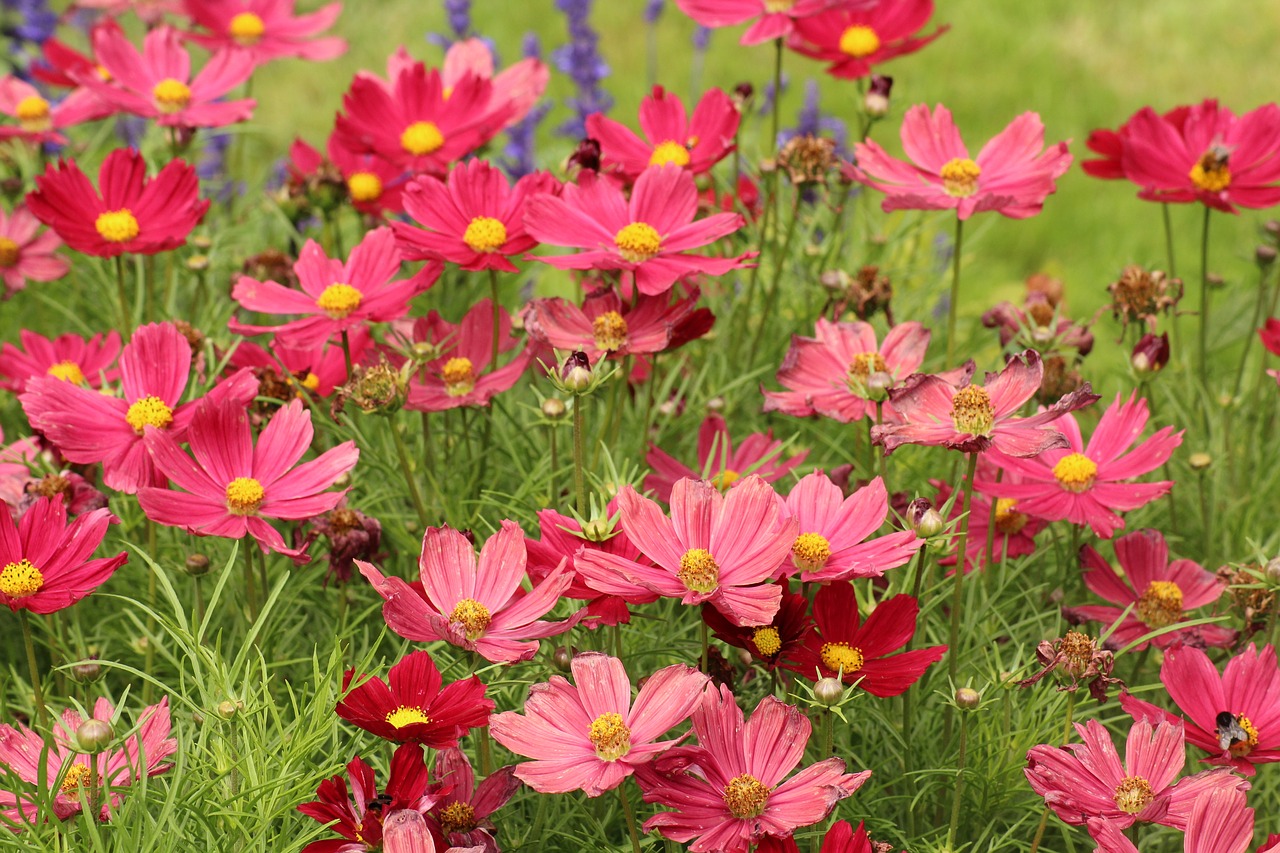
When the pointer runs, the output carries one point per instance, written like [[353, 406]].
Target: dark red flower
[[413, 707]]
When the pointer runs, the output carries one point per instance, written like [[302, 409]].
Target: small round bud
[[1272, 569], [596, 529], [228, 709], [828, 691], [576, 373], [197, 565], [668, 409], [1150, 354], [87, 672], [94, 736], [1264, 255], [198, 263], [715, 404], [742, 93], [562, 657], [967, 698], [1214, 280], [1272, 227], [553, 408], [203, 242], [1200, 461], [927, 523], [878, 385]]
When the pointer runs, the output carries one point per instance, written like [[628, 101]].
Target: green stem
[[497, 318], [1204, 299], [579, 454], [152, 626], [42, 713], [631, 817], [955, 292], [957, 597], [126, 318], [959, 792], [249, 582], [346, 353], [415, 493], [1253, 328], [555, 465], [1168, 239], [706, 645]]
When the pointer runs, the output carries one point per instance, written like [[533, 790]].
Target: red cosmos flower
[[463, 810], [1088, 485], [157, 83], [840, 838], [844, 644], [411, 707], [715, 548], [477, 605], [68, 357], [828, 374], [1110, 145], [854, 40], [774, 644], [88, 426], [337, 297], [16, 462], [40, 121], [590, 736], [1220, 822], [720, 461], [315, 369], [133, 214], [605, 326], [358, 815], [232, 487], [1269, 334], [669, 135], [1168, 592], [777, 17], [1213, 157], [24, 254], [1087, 780], [475, 220], [265, 29], [647, 236], [375, 186], [973, 418], [1234, 717], [44, 564], [515, 89], [732, 789], [458, 377], [1011, 174]]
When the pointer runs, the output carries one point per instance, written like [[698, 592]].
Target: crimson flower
[[515, 89], [45, 564], [775, 644], [411, 707], [1109, 145], [855, 40], [606, 326], [265, 29], [68, 357], [1220, 822], [670, 136], [463, 810], [375, 186], [720, 460], [1015, 531]]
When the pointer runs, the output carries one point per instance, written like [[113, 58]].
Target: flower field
[[722, 425]]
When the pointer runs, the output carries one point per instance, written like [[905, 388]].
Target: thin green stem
[[706, 645], [250, 582], [555, 465], [1168, 239], [1204, 299], [497, 318], [415, 493], [126, 315], [955, 292], [958, 795], [346, 353], [579, 456], [957, 597], [152, 626], [42, 713], [631, 817], [1258, 305]]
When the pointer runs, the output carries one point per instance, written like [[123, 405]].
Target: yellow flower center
[[9, 252], [149, 411], [1211, 172], [246, 28], [746, 796], [859, 41], [669, 151], [117, 226], [459, 376], [458, 817], [725, 479], [421, 138], [841, 657], [407, 716], [20, 579], [76, 778], [472, 616], [244, 496], [339, 300], [810, 552], [67, 371], [972, 412], [1076, 652], [1133, 794], [311, 382], [1008, 520], [33, 114], [1161, 604], [364, 186], [960, 177], [610, 331], [776, 6], [767, 640], [1075, 472], [485, 235], [1241, 748], [171, 96], [638, 242], [860, 369], [699, 571], [610, 736]]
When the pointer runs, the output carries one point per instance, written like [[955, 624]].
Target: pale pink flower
[[39, 120], [515, 89], [26, 255], [1220, 822], [68, 357]]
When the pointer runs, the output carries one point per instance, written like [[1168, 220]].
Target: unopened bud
[[828, 691], [197, 565], [967, 698], [668, 409], [575, 373], [742, 95], [94, 736], [1214, 280], [1265, 255], [198, 263], [1200, 461], [715, 404], [202, 242], [562, 657], [587, 155], [1151, 353], [924, 519], [1272, 227], [87, 672], [876, 102], [228, 709], [553, 408], [1273, 569]]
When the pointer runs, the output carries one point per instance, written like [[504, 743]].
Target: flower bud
[[828, 691], [561, 658], [94, 736], [228, 709], [586, 155], [1215, 280], [924, 519], [1200, 461], [201, 242], [1264, 255], [1272, 227], [198, 263], [878, 385], [742, 95], [715, 404], [1273, 569], [87, 671], [1150, 354], [553, 408], [197, 565], [967, 699], [876, 102], [575, 373]]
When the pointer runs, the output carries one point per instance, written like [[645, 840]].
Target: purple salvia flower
[[581, 60], [653, 10], [458, 13], [701, 38]]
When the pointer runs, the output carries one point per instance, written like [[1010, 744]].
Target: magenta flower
[[45, 564], [317, 369], [777, 18], [973, 418], [477, 605], [715, 548], [1015, 531], [670, 136], [336, 297], [592, 736], [732, 789], [1109, 145], [68, 357], [829, 373], [40, 121], [515, 89], [1235, 717], [649, 236], [463, 375], [605, 326], [1012, 174], [374, 186], [855, 40], [265, 29], [1220, 822], [720, 460], [1090, 484], [1162, 593], [1087, 780], [463, 812]]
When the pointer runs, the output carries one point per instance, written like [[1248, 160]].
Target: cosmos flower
[[45, 564], [39, 120], [606, 326], [719, 460], [516, 88], [464, 809], [855, 40], [776, 19], [265, 29], [317, 370], [775, 644], [463, 373], [374, 186], [670, 136], [1109, 145], [1220, 822], [68, 357]]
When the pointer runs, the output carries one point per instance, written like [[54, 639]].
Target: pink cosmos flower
[[40, 121], [832, 528], [1011, 174], [855, 40], [65, 770], [591, 736], [715, 548], [150, 11], [605, 326], [1087, 780], [336, 297], [1168, 591], [26, 255], [777, 18], [670, 136], [68, 357], [1109, 145], [1088, 485], [374, 186], [1214, 157], [265, 29], [463, 375], [477, 605], [88, 426], [828, 374], [463, 811], [474, 220], [647, 236], [232, 487], [157, 83], [1015, 530], [973, 418], [1220, 822], [45, 565], [516, 89], [720, 461], [315, 369], [1234, 717], [732, 789], [16, 462]]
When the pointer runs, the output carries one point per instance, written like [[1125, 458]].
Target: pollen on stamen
[[459, 376], [1160, 604], [458, 817], [1211, 172], [77, 776], [960, 177], [67, 371], [1242, 748], [20, 579], [810, 552], [9, 252], [171, 96], [638, 242], [1133, 794], [726, 478], [767, 640], [485, 235], [746, 796], [1008, 520], [669, 152], [610, 331], [33, 114], [421, 138], [841, 657], [699, 571], [473, 616], [244, 496], [339, 300], [972, 412], [149, 411], [364, 186], [117, 226], [862, 366], [859, 41], [1075, 472], [407, 715], [610, 736], [246, 28]]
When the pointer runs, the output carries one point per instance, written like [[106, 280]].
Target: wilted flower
[[1076, 657], [1141, 295]]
